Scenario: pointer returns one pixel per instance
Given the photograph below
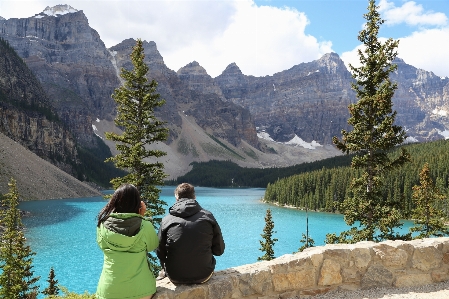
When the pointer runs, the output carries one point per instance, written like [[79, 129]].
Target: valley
[[271, 121]]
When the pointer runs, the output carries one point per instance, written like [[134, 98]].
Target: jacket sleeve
[[161, 252], [218, 245], [151, 237]]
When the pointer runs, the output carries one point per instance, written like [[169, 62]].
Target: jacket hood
[[121, 230], [184, 207]]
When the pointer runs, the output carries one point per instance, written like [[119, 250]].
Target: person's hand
[[143, 209]]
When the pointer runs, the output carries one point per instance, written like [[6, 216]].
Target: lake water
[[63, 232]]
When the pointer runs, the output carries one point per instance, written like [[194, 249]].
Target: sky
[[262, 37]]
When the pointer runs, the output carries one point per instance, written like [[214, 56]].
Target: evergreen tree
[[429, 220], [52, 289], [373, 136], [16, 258], [136, 101], [307, 242], [266, 245]]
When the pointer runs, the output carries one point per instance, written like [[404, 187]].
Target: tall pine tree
[[373, 136], [429, 220], [17, 279], [266, 245], [136, 101]]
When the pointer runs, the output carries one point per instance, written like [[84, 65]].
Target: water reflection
[[50, 212]]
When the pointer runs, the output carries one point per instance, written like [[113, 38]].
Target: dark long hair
[[126, 199]]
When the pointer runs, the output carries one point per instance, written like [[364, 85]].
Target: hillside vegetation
[[319, 189], [228, 174], [321, 183]]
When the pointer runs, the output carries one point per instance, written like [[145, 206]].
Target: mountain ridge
[[252, 116]]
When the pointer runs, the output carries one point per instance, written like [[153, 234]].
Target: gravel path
[[432, 291]]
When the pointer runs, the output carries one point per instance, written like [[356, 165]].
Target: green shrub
[[70, 295]]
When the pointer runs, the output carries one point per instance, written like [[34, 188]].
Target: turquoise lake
[[63, 232]]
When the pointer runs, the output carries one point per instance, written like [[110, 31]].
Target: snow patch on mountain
[[94, 127], [264, 135], [444, 133], [440, 112], [410, 139], [297, 141], [56, 11]]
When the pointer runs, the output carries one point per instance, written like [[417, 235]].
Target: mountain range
[[279, 120]]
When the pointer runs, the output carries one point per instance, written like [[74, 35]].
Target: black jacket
[[189, 237]]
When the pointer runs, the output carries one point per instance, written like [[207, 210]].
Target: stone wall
[[322, 269]]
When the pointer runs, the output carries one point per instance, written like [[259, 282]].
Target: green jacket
[[125, 239]]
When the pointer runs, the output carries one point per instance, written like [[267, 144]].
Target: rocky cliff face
[[193, 92], [310, 100], [197, 79], [79, 75], [212, 112], [26, 115], [71, 62], [422, 102]]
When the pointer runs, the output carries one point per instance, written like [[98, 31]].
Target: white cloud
[[425, 48], [261, 40], [410, 13], [351, 57]]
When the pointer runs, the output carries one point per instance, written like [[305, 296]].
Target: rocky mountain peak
[[152, 56], [51, 44], [232, 69], [2, 18], [125, 45], [152, 53], [332, 63], [56, 11], [196, 77], [193, 68]]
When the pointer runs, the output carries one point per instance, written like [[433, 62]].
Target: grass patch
[[225, 146], [186, 148], [251, 154]]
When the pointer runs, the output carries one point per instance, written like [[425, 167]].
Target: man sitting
[[189, 237]]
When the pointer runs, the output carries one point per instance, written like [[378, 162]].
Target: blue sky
[[261, 36], [340, 20]]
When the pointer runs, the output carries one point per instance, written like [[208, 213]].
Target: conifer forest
[[321, 190]]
